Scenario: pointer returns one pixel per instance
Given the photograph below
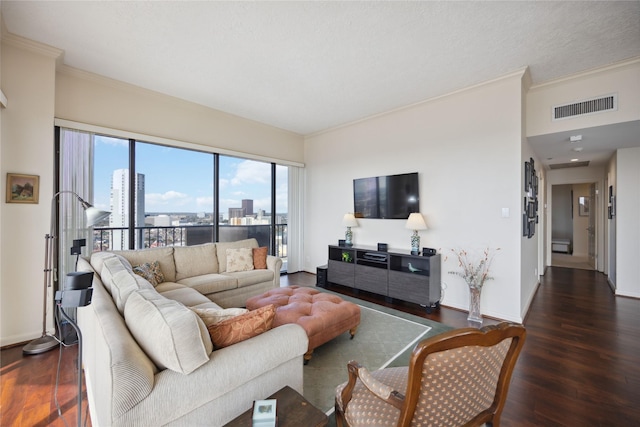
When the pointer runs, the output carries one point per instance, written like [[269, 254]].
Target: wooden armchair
[[458, 378]]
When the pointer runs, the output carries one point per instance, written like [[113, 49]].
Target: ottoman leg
[[307, 356], [353, 330]]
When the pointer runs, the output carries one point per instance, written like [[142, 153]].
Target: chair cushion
[[172, 335]]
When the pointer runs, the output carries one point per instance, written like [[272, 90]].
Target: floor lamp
[[93, 215]]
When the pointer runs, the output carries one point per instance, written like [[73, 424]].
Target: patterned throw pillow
[[150, 271], [211, 316], [243, 327], [239, 260], [260, 258]]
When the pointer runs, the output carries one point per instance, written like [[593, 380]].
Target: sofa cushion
[[260, 258], [186, 295], [253, 277], [211, 316], [172, 335], [210, 283], [243, 327], [163, 255], [195, 260], [150, 271], [97, 261], [221, 249], [121, 281], [240, 259]]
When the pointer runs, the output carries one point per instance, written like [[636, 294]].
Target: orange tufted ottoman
[[323, 316]]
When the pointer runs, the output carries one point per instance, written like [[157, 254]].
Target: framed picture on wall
[[583, 206], [22, 188]]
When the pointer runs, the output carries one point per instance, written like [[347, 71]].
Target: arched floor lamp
[[93, 215]]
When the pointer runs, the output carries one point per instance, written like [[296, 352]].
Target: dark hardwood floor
[[580, 365]]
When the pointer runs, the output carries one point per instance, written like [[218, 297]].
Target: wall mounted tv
[[387, 197]]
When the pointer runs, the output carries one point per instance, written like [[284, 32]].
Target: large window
[[169, 196]]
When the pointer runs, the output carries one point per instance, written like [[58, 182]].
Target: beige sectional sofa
[[148, 357]]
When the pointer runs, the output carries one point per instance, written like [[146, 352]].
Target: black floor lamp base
[[40, 345]]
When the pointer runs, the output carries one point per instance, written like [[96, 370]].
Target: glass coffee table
[[292, 410]]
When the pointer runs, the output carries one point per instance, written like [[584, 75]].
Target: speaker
[[428, 251], [321, 276], [75, 298], [79, 280]]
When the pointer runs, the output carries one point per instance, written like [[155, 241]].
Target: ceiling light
[[577, 149], [575, 138], [574, 160]]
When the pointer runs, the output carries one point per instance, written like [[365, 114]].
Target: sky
[[179, 180]]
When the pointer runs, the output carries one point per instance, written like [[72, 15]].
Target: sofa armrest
[[274, 264], [228, 369]]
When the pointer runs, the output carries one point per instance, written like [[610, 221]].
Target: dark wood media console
[[402, 276]]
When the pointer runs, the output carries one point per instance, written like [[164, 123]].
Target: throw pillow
[[243, 327], [211, 316], [260, 258], [239, 260], [150, 271]]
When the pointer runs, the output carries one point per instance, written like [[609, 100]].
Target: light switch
[[505, 212]]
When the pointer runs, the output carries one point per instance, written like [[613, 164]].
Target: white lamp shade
[[349, 220], [416, 222], [94, 215]]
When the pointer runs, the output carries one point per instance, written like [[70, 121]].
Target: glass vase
[[475, 317]]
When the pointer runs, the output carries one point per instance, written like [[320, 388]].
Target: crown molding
[[32, 46], [522, 73], [627, 63]]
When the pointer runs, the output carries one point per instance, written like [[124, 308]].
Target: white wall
[[628, 222], [622, 79], [562, 227], [28, 76], [95, 100], [466, 148]]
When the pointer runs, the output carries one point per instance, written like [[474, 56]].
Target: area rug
[[384, 338]]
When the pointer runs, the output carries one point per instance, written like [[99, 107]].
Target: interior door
[[591, 229]]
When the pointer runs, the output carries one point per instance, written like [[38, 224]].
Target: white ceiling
[[310, 66]]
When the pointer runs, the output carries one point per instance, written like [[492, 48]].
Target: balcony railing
[[117, 238]]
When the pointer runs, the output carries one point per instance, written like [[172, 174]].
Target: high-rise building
[[235, 214], [247, 205], [120, 208]]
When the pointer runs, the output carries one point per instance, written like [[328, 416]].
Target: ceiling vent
[[568, 165], [585, 107]]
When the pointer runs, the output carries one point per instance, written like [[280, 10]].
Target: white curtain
[[76, 175], [295, 223]]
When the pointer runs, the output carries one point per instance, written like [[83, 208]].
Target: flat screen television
[[386, 197]]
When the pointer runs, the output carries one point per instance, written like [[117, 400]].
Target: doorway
[[573, 235]]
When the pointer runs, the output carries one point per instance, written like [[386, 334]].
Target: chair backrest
[[461, 377]]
